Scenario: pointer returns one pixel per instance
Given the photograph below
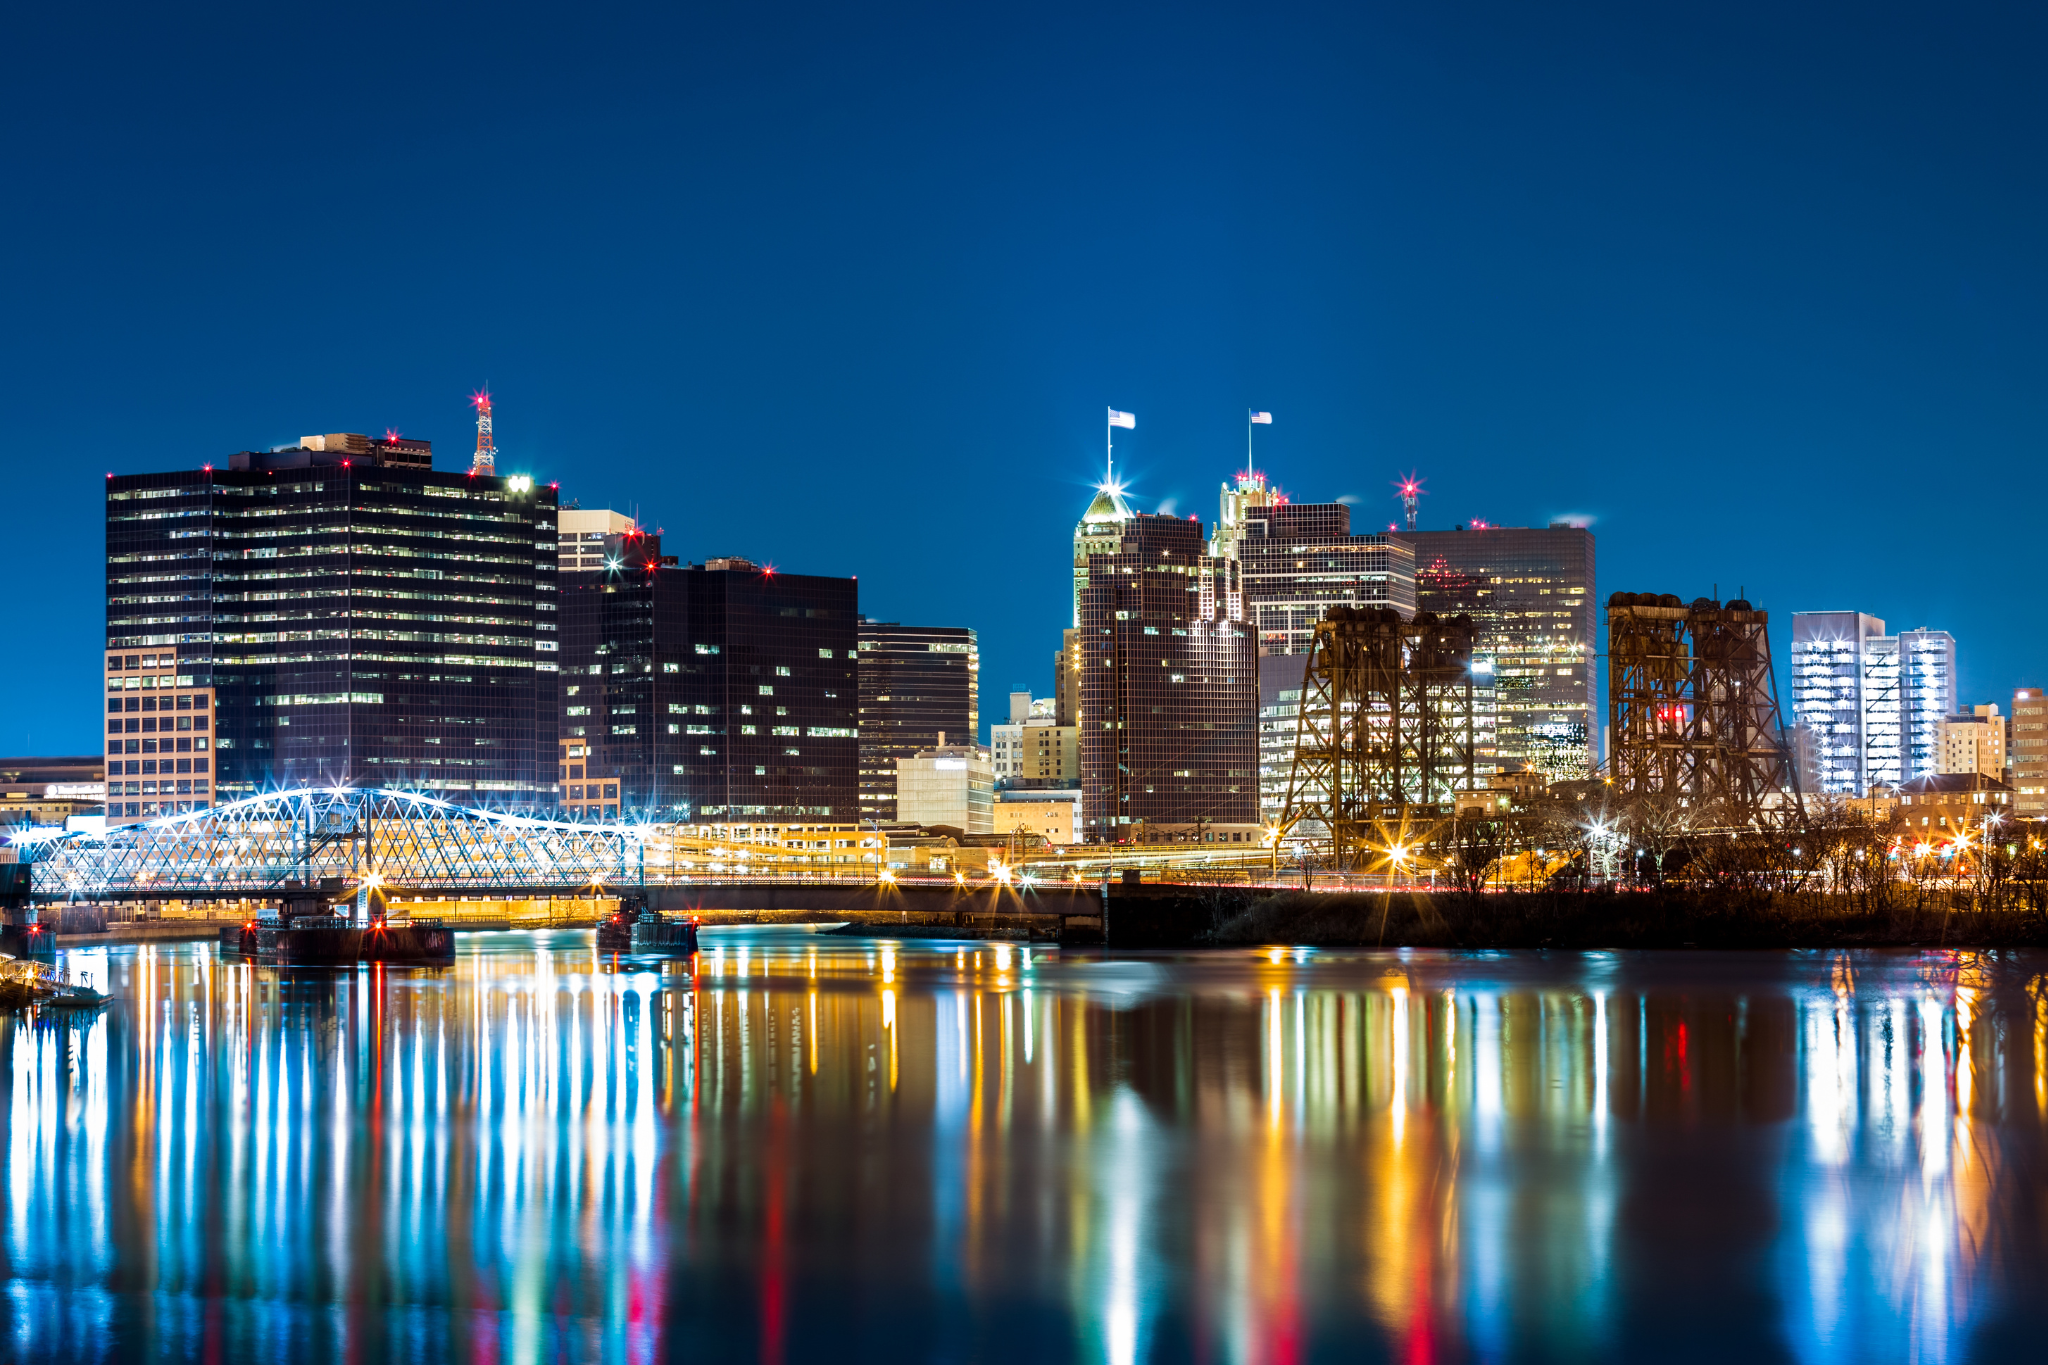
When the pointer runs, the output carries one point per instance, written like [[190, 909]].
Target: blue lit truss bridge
[[264, 844]]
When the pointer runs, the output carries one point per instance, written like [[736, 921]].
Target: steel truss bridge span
[[263, 845]]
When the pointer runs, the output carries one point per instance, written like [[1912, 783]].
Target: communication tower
[[1411, 492], [486, 461]]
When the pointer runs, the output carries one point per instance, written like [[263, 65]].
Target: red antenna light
[[391, 434]]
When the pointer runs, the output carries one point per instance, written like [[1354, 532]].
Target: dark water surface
[[835, 1149]]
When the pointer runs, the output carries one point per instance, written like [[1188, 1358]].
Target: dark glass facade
[[1169, 683], [916, 683], [707, 691], [358, 619], [1530, 593], [1300, 559]]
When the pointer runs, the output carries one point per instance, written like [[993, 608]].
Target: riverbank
[[1667, 918]]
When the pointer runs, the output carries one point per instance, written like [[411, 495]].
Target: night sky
[[1757, 289]]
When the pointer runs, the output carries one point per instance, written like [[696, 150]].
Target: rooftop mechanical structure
[[1692, 707], [1385, 726]]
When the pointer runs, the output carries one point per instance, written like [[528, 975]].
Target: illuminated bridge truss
[[264, 844]]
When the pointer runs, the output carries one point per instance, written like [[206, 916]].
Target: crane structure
[[486, 460], [1692, 707], [1385, 728]]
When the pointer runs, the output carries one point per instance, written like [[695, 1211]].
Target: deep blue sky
[[1757, 287]]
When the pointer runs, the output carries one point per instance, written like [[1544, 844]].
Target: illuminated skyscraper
[[1168, 680], [346, 614], [1530, 594], [1298, 560], [707, 692], [1875, 702], [920, 687]]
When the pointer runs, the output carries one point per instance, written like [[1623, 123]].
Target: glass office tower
[[1300, 559], [354, 617], [1168, 677], [1529, 592], [711, 691], [916, 684]]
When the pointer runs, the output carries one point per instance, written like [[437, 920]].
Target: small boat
[[74, 998]]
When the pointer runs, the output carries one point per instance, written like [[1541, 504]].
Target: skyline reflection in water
[[795, 1148]]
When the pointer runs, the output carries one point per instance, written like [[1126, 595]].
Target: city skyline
[[993, 689], [749, 296]]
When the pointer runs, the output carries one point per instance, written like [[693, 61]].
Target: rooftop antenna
[[486, 461], [1411, 492]]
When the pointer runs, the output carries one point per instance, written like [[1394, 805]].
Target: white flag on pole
[[1264, 419], [1122, 419]]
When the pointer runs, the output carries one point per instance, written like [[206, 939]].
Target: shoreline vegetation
[[1665, 917]]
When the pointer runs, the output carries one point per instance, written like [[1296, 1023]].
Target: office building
[[347, 615], [1054, 814], [1279, 730], [1066, 679], [162, 763], [1033, 750], [714, 692], [1876, 702], [50, 791], [1297, 560], [949, 785], [581, 534], [917, 684], [1973, 741], [2026, 753], [1169, 691], [1529, 592]]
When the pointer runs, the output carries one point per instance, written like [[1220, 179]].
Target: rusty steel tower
[[1385, 725], [486, 460], [1692, 707]]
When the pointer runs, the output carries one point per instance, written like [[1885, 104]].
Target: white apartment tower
[[1874, 702]]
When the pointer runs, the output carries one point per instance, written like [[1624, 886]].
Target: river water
[[803, 1148]]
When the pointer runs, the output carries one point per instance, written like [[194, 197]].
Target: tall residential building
[[1973, 741], [1297, 560], [1529, 592], [1169, 689], [2027, 753], [715, 692], [1927, 696], [918, 685], [1875, 702], [581, 534], [354, 617], [1845, 688], [1034, 752]]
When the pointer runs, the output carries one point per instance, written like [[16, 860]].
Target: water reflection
[[795, 1148]]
